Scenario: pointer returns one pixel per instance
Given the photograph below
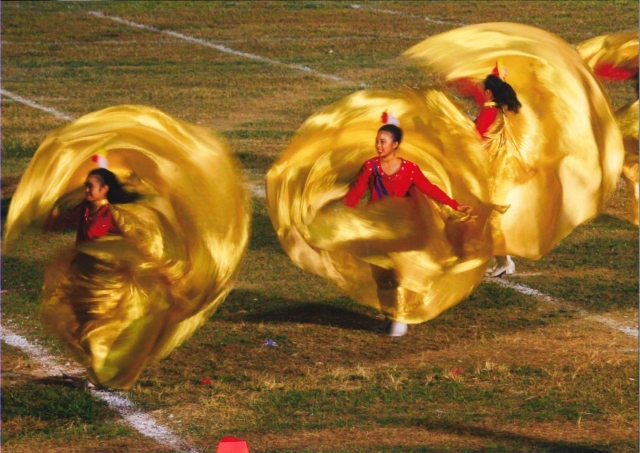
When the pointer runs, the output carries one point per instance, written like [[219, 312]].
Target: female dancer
[[390, 176], [406, 255], [615, 57], [101, 188], [498, 95], [150, 265], [554, 163]]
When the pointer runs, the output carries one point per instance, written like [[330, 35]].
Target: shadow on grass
[[319, 314], [504, 436], [52, 402], [263, 235], [242, 305], [609, 222], [4, 210], [498, 309]]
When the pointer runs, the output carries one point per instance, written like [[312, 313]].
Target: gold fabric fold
[[120, 302], [558, 160], [409, 258], [620, 51]]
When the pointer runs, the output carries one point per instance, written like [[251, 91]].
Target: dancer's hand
[[464, 208]]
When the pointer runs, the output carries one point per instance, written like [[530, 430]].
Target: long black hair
[[116, 194], [503, 93], [394, 130]]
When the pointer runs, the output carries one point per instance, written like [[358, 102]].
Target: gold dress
[[615, 56], [409, 258], [122, 301], [557, 161]]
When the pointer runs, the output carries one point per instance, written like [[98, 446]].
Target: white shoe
[[398, 329], [505, 265]]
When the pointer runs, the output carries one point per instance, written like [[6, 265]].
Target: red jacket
[[381, 185]]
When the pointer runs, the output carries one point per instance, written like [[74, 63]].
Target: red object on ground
[[206, 381], [232, 445], [456, 371]]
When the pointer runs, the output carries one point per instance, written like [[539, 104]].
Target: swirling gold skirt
[[121, 302], [409, 258], [557, 161]]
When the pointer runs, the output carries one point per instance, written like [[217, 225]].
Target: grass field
[[500, 372]]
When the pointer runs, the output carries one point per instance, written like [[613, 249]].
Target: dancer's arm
[[359, 186], [61, 219], [485, 119], [433, 191]]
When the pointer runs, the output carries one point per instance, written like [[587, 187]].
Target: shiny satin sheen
[[409, 258], [620, 50], [120, 302], [558, 160]]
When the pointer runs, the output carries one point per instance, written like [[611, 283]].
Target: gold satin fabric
[[620, 50], [617, 49], [409, 258], [558, 160], [120, 302]]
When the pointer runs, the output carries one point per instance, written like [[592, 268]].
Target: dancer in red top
[[390, 176], [97, 219], [498, 95]]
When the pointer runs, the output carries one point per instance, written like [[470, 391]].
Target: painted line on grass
[[217, 41], [35, 105], [630, 331], [145, 424], [219, 47], [38, 353], [444, 22], [256, 189], [405, 14]]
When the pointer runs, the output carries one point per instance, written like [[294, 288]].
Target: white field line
[[48, 362], [402, 13], [216, 41], [630, 331], [54, 112], [219, 47], [255, 188], [444, 22], [145, 424]]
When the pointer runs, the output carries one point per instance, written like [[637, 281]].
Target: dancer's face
[[385, 146], [94, 190]]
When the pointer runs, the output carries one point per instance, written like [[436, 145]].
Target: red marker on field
[[232, 445]]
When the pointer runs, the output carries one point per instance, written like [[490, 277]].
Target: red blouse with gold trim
[[95, 224], [381, 185]]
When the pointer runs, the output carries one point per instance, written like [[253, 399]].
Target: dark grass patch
[[35, 411], [254, 161], [52, 403]]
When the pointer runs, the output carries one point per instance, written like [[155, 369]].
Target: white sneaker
[[398, 329], [505, 265]]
